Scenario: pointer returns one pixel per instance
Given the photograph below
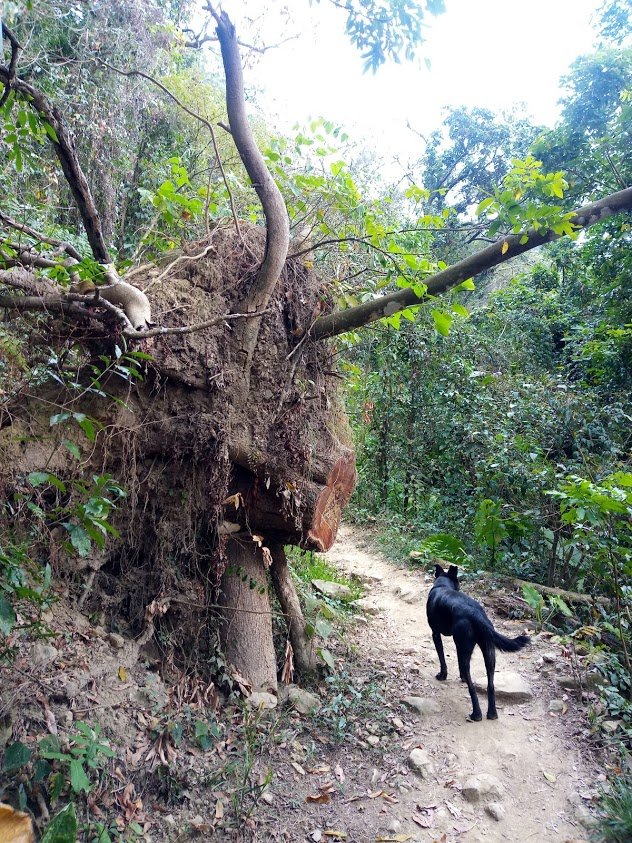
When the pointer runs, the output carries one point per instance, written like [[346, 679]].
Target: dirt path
[[542, 777]]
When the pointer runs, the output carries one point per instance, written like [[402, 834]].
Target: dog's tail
[[510, 645]]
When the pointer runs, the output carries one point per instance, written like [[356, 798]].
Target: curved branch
[[502, 250], [275, 212]]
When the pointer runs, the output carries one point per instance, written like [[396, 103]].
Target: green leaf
[[79, 539], [484, 205], [52, 134], [58, 418], [78, 780], [74, 450], [63, 827], [38, 478], [442, 322], [16, 756], [323, 627], [462, 311], [327, 658], [7, 616]]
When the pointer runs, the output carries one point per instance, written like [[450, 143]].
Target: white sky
[[489, 53]]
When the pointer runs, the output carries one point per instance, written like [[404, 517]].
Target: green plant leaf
[[442, 322], [78, 779], [327, 657], [7, 616], [16, 755], [63, 827]]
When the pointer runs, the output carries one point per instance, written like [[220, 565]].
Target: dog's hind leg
[[489, 655], [443, 672], [465, 644]]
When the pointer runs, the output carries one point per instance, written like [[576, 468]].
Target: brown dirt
[[253, 781]]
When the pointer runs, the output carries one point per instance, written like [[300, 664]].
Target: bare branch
[[13, 62], [42, 238], [502, 250], [191, 113], [66, 153]]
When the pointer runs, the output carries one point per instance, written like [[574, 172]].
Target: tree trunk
[[304, 653], [246, 629], [290, 509]]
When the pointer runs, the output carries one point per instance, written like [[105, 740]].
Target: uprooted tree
[[234, 442]]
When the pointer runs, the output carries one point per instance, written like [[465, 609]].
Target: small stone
[[316, 835], [303, 701], [416, 554], [267, 797], [394, 826], [495, 810], [510, 686], [332, 589], [422, 705], [556, 706], [42, 652], [397, 724], [481, 785], [610, 726], [170, 820], [261, 700], [590, 680], [117, 641], [549, 658], [373, 740], [420, 763], [367, 605]]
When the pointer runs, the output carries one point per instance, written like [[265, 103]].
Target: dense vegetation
[[493, 427]]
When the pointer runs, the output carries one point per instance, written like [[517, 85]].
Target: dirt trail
[[543, 776]]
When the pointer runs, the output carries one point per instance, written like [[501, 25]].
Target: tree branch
[[13, 62], [26, 229], [65, 150], [275, 212], [504, 249]]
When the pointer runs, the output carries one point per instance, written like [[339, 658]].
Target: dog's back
[[455, 614], [447, 607]]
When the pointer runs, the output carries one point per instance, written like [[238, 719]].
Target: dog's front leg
[[443, 672]]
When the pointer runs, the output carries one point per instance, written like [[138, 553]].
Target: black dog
[[450, 612]]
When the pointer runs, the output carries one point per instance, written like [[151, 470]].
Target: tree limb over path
[[504, 249]]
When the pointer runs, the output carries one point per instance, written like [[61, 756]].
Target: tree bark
[[274, 210], [246, 628], [304, 652], [294, 509]]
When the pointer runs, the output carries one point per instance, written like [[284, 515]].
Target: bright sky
[[490, 53]]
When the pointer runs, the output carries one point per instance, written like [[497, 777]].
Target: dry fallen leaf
[[321, 798], [298, 768], [122, 674], [15, 827], [235, 500], [287, 674], [395, 838], [338, 773], [549, 776], [198, 824], [339, 835], [219, 810]]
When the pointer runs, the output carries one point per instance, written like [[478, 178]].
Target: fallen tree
[[233, 442]]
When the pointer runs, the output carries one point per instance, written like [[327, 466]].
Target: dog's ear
[[453, 572], [439, 572]]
